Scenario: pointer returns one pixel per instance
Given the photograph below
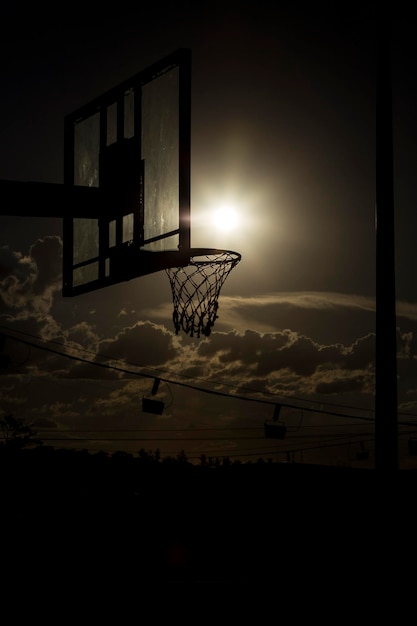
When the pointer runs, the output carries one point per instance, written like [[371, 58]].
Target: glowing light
[[226, 218]]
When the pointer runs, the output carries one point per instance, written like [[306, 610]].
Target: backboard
[[131, 145]]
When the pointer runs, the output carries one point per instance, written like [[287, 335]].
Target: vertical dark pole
[[184, 148], [139, 215], [67, 222], [386, 427], [103, 222]]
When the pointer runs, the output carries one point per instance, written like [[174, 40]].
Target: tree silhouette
[[16, 435]]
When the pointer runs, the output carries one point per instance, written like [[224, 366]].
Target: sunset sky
[[283, 133]]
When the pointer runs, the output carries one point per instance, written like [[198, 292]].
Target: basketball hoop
[[196, 288]]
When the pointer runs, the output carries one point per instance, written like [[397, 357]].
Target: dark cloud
[[7, 261], [33, 278], [343, 385], [145, 344], [47, 256], [264, 353]]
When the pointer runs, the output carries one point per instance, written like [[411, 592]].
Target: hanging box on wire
[[152, 406]]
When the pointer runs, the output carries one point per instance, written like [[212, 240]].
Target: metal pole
[[386, 427]]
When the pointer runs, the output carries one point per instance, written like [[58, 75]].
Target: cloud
[[31, 281], [268, 312], [282, 345], [406, 310], [284, 362], [143, 343], [303, 299]]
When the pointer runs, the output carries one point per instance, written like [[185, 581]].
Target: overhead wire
[[188, 385], [180, 375], [125, 370]]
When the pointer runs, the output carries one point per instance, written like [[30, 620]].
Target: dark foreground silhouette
[[78, 518]]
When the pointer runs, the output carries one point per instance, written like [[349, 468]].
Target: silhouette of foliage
[[16, 434]]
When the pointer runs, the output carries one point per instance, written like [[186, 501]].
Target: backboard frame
[[120, 259]]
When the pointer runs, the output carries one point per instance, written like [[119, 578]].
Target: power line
[[187, 385], [157, 372]]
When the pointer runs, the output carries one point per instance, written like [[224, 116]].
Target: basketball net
[[196, 288]]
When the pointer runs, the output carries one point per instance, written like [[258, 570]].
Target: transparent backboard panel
[[132, 144], [86, 173], [160, 153], [87, 151]]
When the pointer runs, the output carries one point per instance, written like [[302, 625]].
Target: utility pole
[[386, 407]]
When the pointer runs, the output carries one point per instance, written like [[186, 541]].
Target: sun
[[226, 218]]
